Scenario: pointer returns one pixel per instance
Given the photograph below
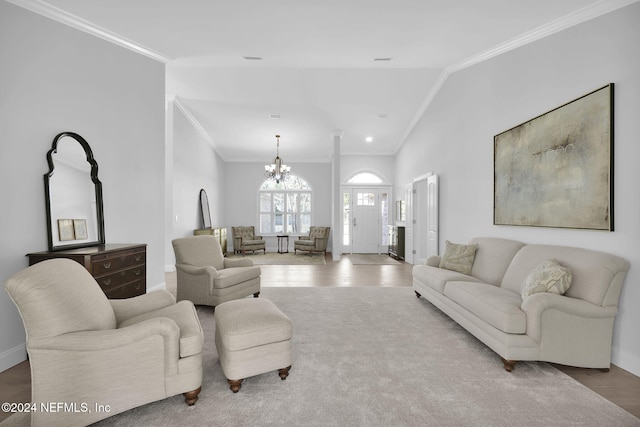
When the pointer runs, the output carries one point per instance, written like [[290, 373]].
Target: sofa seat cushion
[[303, 242], [252, 242], [232, 276], [437, 278], [185, 316], [497, 306]]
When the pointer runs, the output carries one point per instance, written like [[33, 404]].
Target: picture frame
[[556, 170], [80, 229], [65, 230]]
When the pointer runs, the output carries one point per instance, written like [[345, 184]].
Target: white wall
[[52, 79], [454, 139], [242, 181], [195, 166]]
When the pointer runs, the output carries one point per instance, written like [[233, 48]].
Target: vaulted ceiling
[[368, 68]]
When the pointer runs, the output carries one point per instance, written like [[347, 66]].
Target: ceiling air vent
[[275, 116]]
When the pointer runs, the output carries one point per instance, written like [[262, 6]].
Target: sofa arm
[[126, 308], [197, 271], [432, 261], [535, 306], [240, 262]]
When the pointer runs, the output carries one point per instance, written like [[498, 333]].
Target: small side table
[[281, 242]]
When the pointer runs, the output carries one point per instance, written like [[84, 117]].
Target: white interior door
[[365, 220], [421, 209], [432, 215], [425, 223]]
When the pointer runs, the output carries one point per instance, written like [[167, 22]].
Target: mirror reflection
[[74, 196]]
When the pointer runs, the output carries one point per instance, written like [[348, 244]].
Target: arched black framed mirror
[[73, 194], [204, 208]]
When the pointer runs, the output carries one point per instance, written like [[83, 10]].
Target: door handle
[[354, 222]]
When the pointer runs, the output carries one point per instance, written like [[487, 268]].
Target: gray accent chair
[[206, 277], [245, 239], [87, 350], [316, 241]]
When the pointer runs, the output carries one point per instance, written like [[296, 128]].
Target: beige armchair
[[87, 350], [316, 241], [205, 277], [245, 239]]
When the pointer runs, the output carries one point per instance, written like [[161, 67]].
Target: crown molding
[[66, 18], [194, 122], [582, 15]]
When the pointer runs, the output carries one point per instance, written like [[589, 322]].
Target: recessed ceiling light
[[368, 139], [275, 116], [253, 58], [382, 59]]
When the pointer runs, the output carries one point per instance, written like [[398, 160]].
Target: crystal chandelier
[[277, 170]]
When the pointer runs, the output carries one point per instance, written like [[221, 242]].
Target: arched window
[[285, 207], [365, 178]]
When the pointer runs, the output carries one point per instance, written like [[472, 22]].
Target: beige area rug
[[380, 357], [274, 258], [371, 259]]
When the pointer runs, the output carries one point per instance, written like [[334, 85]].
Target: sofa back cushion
[[597, 276], [493, 257]]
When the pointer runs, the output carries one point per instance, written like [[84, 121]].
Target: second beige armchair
[[245, 239], [316, 241], [205, 277]]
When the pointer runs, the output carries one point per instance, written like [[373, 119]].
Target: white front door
[[365, 219], [366, 236]]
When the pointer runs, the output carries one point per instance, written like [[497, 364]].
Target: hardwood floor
[[617, 385]]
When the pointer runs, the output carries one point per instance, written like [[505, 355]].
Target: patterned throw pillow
[[549, 276], [458, 257]]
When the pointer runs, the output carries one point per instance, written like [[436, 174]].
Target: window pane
[[305, 202], [265, 202], [265, 223], [279, 226], [292, 202], [305, 223], [292, 223], [278, 202]]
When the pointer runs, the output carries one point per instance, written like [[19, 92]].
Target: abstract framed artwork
[[556, 170]]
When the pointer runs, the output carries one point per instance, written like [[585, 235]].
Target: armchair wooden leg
[[234, 385], [191, 397], [417, 294], [284, 372], [256, 294], [509, 364]]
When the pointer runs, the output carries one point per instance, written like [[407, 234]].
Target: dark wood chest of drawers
[[119, 269]]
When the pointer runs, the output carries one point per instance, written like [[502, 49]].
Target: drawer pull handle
[[107, 282], [136, 272], [107, 265], [138, 257]]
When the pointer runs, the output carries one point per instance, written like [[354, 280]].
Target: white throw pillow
[[549, 276], [458, 257]]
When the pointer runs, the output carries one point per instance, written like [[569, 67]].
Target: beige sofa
[[572, 329]]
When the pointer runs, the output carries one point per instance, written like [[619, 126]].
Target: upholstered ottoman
[[252, 337]]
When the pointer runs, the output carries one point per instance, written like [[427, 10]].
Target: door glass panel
[[346, 218]]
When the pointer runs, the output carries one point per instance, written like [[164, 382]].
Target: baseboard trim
[[12, 357], [626, 361]]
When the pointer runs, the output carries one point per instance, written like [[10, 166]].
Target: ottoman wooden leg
[[284, 372], [234, 385]]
